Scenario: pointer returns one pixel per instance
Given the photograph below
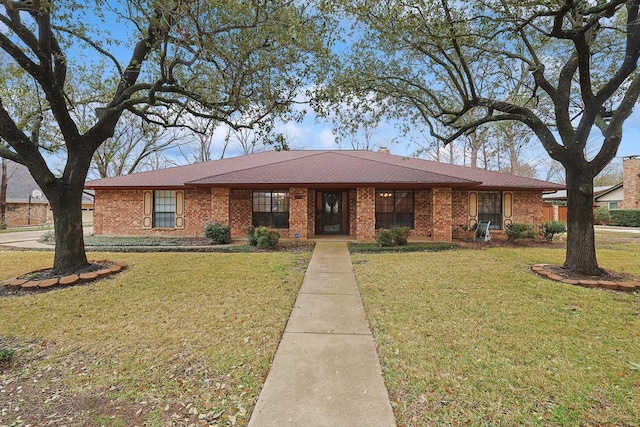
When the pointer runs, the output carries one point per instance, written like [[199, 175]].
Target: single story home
[[307, 193]]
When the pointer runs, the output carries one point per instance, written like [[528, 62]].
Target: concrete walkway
[[326, 371]]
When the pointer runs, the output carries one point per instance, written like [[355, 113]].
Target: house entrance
[[332, 216]]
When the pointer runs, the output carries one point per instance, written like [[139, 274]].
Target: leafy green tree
[[162, 61], [430, 61]]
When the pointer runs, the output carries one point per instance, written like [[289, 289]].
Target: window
[[271, 209], [490, 208], [394, 208], [164, 209], [613, 205]]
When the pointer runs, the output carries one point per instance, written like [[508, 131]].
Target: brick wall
[[298, 212], [311, 212], [365, 213], [527, 207], [460, 208], [437, 211], [423, 221], [17, 214], [240, 207], [219, 205], [442, 214], [120, 212], [631, 184]]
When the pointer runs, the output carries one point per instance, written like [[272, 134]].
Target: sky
[[311, 133]]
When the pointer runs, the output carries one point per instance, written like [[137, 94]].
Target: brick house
[[313, 193]]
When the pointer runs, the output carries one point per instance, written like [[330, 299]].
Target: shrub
[[519, 230], [218, 234], [48, 237], [263, 237], [625, 217], [251, 236], [602, 216], [384, 237], [5, 355], [551, 228], [400, 235], [395, 236]]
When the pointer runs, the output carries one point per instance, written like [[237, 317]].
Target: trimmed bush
[[396, 236], [263, 237], [519, 230], [625, 217], [384, 237], [218, 234], [550, 228], [602, 216], [400, 235]]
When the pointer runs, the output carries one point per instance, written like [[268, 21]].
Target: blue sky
[[312, 134]]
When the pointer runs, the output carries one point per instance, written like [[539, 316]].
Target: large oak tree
[[163, 61], [445, 61]]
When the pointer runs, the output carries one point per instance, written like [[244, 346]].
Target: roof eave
[[332, 185]]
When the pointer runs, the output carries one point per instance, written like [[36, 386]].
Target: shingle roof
[[20, 185], [317, 168]]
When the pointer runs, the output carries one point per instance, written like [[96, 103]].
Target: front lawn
[[472, 337], [466, 337], [176, 339]]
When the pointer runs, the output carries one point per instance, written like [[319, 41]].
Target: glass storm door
[[332, 213]]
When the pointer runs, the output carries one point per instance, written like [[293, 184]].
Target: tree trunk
[[4, 178], [581, 247], [70, 255]]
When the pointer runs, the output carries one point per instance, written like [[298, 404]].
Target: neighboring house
[[611, 198], [624, 195], [560, 197], [314, 193], [27, 204]]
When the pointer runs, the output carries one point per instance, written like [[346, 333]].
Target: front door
[[332, 212]]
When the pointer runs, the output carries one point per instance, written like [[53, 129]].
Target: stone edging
[[628, 286], [72, 279]]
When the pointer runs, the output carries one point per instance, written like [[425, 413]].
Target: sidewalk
[[326, 371]]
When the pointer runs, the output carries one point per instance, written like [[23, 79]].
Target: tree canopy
[[565, 69], [163, 61]]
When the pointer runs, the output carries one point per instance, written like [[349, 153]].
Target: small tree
[[549, 229]]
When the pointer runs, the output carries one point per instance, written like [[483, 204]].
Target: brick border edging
[[72, 279], [629, 286]]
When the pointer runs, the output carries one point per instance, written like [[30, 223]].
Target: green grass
[[27, 228], [465, 337], [355, 248], [474, 338], [174, 333]]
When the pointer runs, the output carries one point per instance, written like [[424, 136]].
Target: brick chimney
[[384, 150], [631, 182]]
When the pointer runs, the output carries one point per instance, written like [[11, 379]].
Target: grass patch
[[175, 337], [474, 338], [19, 229], [355, 248], [5, 355]]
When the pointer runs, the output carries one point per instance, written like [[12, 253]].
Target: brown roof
[[313, 168], [20, 185]]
